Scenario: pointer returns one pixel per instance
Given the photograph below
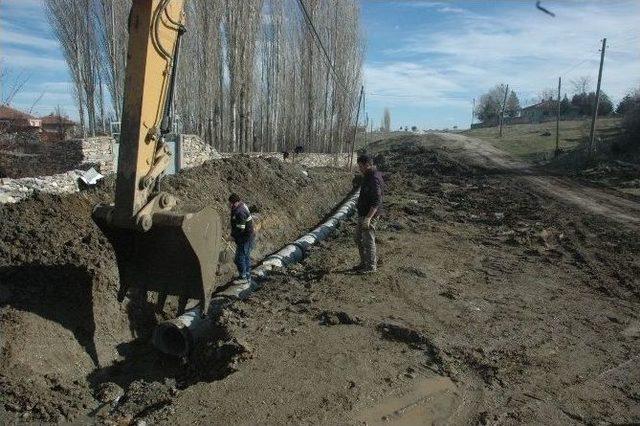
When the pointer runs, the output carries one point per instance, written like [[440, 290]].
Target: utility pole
[[473, 112], [355, 129], [114, 61], [366, 116], [558, 119], [592, 134], [504, 105]]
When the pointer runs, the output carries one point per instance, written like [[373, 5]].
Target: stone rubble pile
[[14, 190], [307, 159], [194, 154]]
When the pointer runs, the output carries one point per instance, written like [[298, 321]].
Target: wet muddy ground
[[496, 301]]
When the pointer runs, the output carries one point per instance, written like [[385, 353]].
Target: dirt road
[[565, 189], [495, 302]]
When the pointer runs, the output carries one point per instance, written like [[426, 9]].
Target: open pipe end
[[172, 339]]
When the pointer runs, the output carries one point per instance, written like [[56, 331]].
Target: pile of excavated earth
[[62, 331]]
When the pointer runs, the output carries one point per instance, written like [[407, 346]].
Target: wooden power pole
[[355, 129], [558, 119], [592, 134], [366, 116], [473, 112], [504, 105]]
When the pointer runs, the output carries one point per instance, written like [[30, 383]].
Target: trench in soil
[[62, 329]]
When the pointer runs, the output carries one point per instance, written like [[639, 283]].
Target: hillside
[[527, 142]]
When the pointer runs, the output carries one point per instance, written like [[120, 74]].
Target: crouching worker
[[243, 233], [369, 207]]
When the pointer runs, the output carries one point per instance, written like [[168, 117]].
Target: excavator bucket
[[177, 256]]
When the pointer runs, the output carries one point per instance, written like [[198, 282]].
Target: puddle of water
[[429, 400]]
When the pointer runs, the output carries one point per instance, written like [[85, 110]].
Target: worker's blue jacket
[[241, 223]]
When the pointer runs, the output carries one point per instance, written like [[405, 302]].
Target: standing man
[[243, 234], [369, 207]]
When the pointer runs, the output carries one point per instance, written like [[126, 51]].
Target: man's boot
[[358, 267], [368, 269]]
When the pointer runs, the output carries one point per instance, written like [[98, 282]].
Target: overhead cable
[[312, 27]]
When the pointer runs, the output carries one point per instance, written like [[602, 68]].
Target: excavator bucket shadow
[[178, 256]]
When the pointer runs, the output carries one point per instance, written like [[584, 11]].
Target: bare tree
[[581, 85], [490, 105], [11, 82], [35, 102], [386, 120], [546, 94], [251, 75], [112, 37]]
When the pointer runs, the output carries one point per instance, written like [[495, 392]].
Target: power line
[[309, 23], [575, 66]]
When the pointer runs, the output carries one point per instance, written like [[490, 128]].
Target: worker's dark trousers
[[243, 257], [366, 242]]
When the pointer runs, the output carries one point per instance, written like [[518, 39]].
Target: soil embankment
[[61, 327]]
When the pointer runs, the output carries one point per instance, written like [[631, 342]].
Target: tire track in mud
[[622, 210]]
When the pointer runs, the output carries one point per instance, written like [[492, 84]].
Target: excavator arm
[[157, 248]]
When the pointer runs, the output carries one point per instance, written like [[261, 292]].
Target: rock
[[337, 317], [414, 271], [6, 198], [14, 190], [109, 392], [395, 226]]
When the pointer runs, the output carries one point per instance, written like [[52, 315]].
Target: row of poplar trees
[[251, 75]]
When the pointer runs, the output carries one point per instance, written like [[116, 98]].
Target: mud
[[63, 332], [496, 302]]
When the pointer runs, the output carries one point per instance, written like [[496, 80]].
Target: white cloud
[[439, 6], [448, 9], [45, 98], [23, 59], [15, 37], [419, 4], [522, 47], [409, 82]]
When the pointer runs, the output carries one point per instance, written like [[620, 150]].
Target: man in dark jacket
[[369, 207], [243, 233]]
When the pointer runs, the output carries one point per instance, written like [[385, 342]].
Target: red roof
[[57, 120], [8, 113]]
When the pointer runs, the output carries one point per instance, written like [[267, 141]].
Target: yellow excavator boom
[[157, 249]]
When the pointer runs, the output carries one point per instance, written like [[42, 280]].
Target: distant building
[[13, 120], [537, 112], [56, 126]]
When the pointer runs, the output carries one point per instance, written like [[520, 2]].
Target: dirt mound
[[59, 317]]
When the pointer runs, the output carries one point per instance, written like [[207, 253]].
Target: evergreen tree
[[513, 105]]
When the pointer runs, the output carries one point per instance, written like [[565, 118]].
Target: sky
[[425, 60]]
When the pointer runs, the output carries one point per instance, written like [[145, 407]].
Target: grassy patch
[[527, 142]]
